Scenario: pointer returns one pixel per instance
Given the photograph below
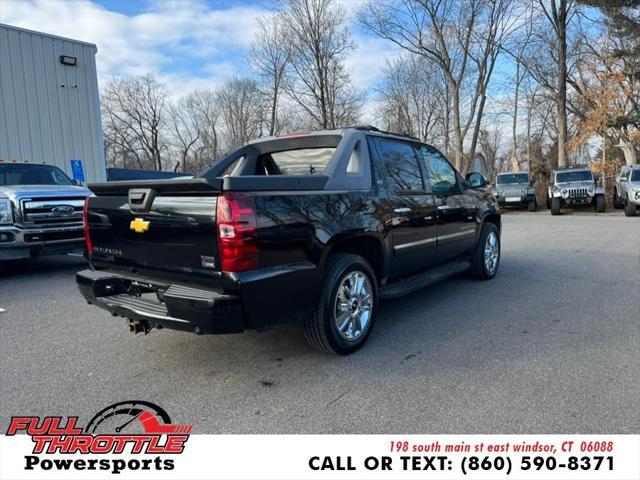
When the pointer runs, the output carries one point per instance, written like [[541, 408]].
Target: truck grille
[[511, 191], [44, 212], [577, 192]]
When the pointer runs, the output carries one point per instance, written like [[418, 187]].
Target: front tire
[[486, 255], [630, 209], [347, 306], [600, 204], [555, 206], [533, 205]]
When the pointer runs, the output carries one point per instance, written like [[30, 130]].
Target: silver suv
[[574, 187], [40, 211], [626, 193], [514, 189]]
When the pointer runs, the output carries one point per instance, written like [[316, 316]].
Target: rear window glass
[[635, 175], [306, 161], [512, 178]]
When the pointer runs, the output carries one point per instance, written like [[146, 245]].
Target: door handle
[[402, 210], [429, 218], [444, 207]]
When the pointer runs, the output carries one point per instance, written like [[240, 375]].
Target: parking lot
[[549, 346]]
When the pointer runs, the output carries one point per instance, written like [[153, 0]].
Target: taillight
[[237, 233], [85, 225]]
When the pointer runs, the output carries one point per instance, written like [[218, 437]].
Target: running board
[[421, 280]]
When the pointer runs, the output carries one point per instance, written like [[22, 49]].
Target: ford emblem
[[63, 210]]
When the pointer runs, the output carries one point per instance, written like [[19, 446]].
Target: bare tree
[[411, 100], [184, 131], [517, 47], [461, 37], [269, 57], [207, 110], [559, 14], [240, 109], [490, 143], [133, 119], [317, 79]]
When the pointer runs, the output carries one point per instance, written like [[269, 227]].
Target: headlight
[[524, 190], [5, 211], [591, 191], [499, 192], [637, 194], [564, 192]]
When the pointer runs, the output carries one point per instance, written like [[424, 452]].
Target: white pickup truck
[[40, 211]]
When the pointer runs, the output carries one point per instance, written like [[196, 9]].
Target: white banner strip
[[368, 457]]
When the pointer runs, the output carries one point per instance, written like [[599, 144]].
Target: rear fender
[[348, 242]]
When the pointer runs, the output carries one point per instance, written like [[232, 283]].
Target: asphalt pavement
[[551, 345]]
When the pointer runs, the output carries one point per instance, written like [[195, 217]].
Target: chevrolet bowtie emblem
[[139, 225]]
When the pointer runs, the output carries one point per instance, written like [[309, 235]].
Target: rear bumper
[[155, 305]]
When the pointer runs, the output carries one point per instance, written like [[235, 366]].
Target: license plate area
[[512, 199]]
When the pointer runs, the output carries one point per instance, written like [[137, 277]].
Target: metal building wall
[[49, 112]]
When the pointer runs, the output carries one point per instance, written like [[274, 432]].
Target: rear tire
[[600, 204], [481, 268], [533, 205], [555, 206], [630, 210], [342, 301]]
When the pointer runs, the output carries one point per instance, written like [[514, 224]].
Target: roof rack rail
[[371, 128]]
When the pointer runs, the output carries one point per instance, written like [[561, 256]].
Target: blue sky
[[186, 44]]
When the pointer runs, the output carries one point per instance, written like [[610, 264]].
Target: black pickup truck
[[314, 228]]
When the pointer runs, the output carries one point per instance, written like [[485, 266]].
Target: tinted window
[[21, 174], [442, 176], [635, 175], [578, 176], [400, 165], [512, 178], [305, 161]]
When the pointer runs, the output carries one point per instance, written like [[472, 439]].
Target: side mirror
[[476, 180]]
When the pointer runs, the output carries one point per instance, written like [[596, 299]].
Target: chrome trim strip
[[75, 202], [457, 234], [413, 244], [470, 231]]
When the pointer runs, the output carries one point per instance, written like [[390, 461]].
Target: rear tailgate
[[156, 225]]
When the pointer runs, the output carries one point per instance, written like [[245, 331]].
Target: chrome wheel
[[491, 252], [353, 305]]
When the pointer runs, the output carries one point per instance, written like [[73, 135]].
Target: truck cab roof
[[338, 158]]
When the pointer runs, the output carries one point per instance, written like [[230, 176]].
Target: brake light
[[85, 225], [237, 233]]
